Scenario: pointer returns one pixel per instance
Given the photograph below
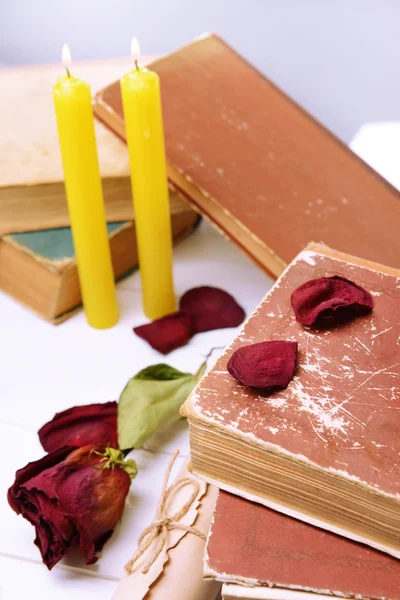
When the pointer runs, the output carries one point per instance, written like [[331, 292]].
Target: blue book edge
[[53, 244]]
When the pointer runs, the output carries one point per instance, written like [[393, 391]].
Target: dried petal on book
[[330, 301], [264, 365]]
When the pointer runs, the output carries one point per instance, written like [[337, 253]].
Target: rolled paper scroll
[[168, 563]]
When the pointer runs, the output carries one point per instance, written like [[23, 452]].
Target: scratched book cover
[[341, 409], [253, 545], [258, 166], [326, 449]]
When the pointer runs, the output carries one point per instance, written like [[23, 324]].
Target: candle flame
[[66, 58], [135, 50]]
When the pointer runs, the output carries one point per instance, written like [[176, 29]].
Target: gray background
[[338, 58]]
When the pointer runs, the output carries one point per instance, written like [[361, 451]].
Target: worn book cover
[[256, 548], [326, 449], [260, 168]]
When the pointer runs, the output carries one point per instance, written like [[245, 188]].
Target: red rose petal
[[201, 309], [264, 365], [330, 301], [81, 425], [31, 470], [93, 498], [167, 333], [55, 532], [211, 308]]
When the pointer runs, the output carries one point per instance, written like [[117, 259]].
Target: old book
[[260, 168], [32, 195], [232, 592], [39, 270], [254, 551], [327, 448]]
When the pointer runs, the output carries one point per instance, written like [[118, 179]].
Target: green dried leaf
[[160, 372], [150, 400]]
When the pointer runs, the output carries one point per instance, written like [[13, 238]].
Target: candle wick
[[136, 64], [68, 72]]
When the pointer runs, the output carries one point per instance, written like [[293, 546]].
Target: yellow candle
[[75, 123], [145, 137]]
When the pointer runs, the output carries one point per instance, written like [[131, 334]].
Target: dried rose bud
[[81, 425], [330, 301], [264, 365], [211, 308], [167, 333], [73, 499]]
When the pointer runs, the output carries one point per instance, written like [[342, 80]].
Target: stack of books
[[262, 554], [309, 505], [310, 473]]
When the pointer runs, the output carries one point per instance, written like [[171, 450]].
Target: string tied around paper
[[163, 522]]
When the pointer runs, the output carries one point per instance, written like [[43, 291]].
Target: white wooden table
[[46, 369]]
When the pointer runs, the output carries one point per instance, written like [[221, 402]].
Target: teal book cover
[[53, 245], [38, 268]]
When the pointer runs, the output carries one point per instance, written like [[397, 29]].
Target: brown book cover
[[327, 448], [260, 168], [38, 268], [255, 547], [32, 195]]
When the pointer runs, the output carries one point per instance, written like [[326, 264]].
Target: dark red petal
[[264, 365], [330, 301], [47, 480], [81, 425], [56, 534], [211, 308], [34, 495], [167, 333], [92, 498], [52, 546], [31, 470]]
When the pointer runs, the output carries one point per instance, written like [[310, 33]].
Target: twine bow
[[163, 522]]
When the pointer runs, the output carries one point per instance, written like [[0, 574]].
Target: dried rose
[[81, 425], [167, 333], [330, 301], [264, 365], [74, 498], [211, 308]]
